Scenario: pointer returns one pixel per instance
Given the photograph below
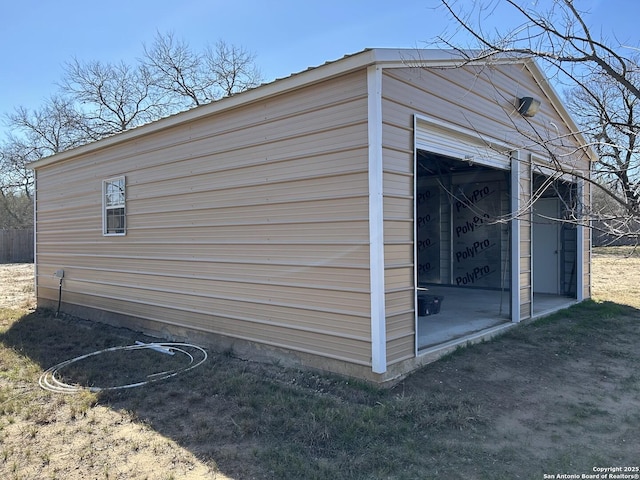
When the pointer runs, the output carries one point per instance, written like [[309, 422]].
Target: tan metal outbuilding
[[303, 219]]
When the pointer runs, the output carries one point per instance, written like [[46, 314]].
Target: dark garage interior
[[463, 247]]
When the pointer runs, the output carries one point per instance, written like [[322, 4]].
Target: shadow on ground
[[558, 395]]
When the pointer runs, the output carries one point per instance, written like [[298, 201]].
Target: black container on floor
[[429, 304]]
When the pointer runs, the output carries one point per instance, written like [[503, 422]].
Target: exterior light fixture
[[528, 106]]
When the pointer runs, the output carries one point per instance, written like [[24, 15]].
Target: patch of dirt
[[111, 443], [553, 403]]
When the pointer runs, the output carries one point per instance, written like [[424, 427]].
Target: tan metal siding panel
[[400, 326], [396, 161], [224, 307], [315, 341], [588, 246], [400, 301], [435, 93], [337, 255], [203, 172], [400, 208], [586, 275], [400, 349], [346, 278], [252, 224], [336, 210], [398, 277], [481, 100], [397, 184], [398, 254], [263, 193], [396, 231], [400, 337], [326, 298], [397, 143], [524, 187]]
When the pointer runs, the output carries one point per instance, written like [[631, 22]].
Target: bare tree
[[193, 78], [99, 99], [177, 70], [233, 68], [15, 155], [16, 210], [609, 114], [602, 83], [113, 97], [16, 183], [55, 127]]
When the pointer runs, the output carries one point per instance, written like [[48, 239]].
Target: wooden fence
[[16, 245]]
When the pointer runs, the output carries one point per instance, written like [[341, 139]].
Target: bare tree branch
[[603, 88], [113, 97], [199, 78]]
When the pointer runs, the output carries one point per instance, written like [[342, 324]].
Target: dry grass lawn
[[616, 275], [17, 286], [561, 395]]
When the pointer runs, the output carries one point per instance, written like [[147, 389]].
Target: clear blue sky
[[38, 36]]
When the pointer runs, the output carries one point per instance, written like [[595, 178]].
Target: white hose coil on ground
[[50, 379]]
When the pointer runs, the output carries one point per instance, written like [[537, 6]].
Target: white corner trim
[[416, 346], [376, 221], [515, 237], [35, 234]]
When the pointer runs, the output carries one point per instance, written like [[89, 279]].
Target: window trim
[[106, 208]]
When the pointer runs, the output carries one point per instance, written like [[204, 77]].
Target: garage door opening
[[463, 265], [554, 244]]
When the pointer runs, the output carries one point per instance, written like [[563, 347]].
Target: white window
[[113, 211]]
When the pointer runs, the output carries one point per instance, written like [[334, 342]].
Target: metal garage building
[[325, 217]]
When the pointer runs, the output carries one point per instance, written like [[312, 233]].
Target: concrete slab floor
[[465, 311]]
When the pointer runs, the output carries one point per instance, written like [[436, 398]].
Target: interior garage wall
[[251, 224], [461, 241], [433, 231]]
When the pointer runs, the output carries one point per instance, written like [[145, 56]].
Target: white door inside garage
[[546, 246]]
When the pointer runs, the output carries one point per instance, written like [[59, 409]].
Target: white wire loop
[[50, 380]]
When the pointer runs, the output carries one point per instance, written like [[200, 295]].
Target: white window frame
[[107, 206]]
